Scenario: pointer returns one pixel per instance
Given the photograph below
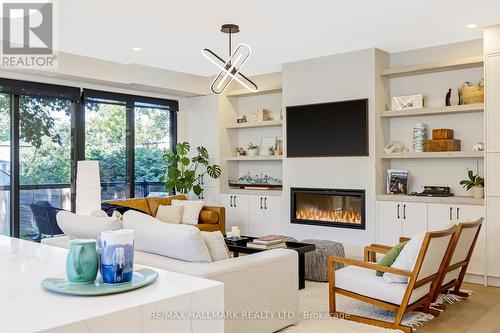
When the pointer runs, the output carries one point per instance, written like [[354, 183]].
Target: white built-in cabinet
[[251, 213], [408, 219], [400, 219]]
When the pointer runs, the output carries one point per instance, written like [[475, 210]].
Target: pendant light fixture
[[231, 69]]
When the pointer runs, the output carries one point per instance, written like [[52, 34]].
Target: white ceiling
[[172, 33]]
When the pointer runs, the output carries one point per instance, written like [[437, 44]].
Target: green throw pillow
[[390, 257]]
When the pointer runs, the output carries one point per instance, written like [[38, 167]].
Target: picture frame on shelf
[[397, 181], [408, 102]]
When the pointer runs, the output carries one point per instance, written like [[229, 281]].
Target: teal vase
[[82, 262]]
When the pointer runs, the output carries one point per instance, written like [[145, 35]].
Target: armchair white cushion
[[364, 282], [406, 259]]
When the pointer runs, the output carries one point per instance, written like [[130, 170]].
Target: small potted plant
[[270, 149], [253, 150], [475, 182]]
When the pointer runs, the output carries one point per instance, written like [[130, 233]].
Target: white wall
[[333, 78]]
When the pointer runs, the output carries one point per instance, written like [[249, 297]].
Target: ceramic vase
[[117, 256], [419, 136]]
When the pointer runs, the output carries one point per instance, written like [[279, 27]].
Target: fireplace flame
[[346, 216]]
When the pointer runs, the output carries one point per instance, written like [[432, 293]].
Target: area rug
[[313, 312]]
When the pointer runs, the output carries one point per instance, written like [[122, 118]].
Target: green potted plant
[[185, 174], [475, 182], [253, 150]]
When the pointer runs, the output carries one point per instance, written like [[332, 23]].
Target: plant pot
[[478, 192], [253, 152], [264, 152]]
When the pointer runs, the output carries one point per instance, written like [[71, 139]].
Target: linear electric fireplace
[[328, 207]]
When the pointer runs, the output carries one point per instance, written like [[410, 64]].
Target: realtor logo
[[28, 35]]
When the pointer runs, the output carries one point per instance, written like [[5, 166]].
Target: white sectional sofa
[[255, 286]]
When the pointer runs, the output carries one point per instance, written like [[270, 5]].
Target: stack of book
[[267, 243]]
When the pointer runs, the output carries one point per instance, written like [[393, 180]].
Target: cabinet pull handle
[[231, 201], [404, 212], [260, 202], [234, 201], [451, 210], [265, 203], [458, 213], [398, 211]]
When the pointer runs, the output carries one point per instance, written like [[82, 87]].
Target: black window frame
[[77, 96]]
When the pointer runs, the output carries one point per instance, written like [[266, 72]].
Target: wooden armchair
[[360, 282]]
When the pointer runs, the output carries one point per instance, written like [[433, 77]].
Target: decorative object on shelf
[[395, 147], [265, 144], [240, 151], [475, 182], [407, 102], [447, 101], [279, 148], [117, 256], [253, 150], [469, 94], [442, 140], [419, 136], [241, 120], [397, 181], [183, 174], [258, 116], [235, 231], [88, 187], [435, 191], [82, 262], [262, 182], [478, 147], [230, 69]]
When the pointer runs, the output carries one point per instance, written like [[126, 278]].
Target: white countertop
[[26, 307]]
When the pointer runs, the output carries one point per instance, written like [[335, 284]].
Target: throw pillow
[[83, 226], [406, 259], [170, 214], [216, 245], [192, 209], [176, 241], [389, 258]]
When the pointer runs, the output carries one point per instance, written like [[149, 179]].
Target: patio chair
[[359, 281], [45, 218]]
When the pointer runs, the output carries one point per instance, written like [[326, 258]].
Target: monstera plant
[[184, 173]]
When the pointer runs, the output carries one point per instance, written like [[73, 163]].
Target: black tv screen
[[327, 129]]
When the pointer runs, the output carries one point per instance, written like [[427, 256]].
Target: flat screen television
[[327, 129]]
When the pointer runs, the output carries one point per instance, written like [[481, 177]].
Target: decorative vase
[[253, 152], [419, 136], [478, 192], [88, 187], [117, 256]]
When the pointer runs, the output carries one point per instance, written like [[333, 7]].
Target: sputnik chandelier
[[230, 69]]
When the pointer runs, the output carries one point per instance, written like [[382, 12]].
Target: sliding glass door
[[5, 164]]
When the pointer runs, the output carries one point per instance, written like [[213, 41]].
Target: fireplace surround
[[328, 207]]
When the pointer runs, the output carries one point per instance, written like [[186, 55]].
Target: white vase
[[419, 136], [478, 192], [253, 152], [88, 187]]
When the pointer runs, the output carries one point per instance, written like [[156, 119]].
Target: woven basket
[[472, 94]]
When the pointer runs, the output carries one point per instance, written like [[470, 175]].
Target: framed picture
[[397, 181], [407, 102], [268, 142]]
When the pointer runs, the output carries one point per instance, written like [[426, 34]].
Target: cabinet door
[[439, 216], [273, 213], [240, 212], [413, 218], [226, 201], [256, 219], [477, 263], [389, 226]]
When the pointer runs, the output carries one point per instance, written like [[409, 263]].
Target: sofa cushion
[[177, 241], [170, 214], [165, 201], [362, 281], [216, 245], [192, 209], [140, 204], [390, 257], [406, 259], [208, 217], [83, 226], [208, 227]]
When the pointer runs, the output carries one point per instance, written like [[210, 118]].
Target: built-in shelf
[[253, 192], [261, 91], [441, 66], [255, 158], [454, 200], [254, 124], [444, 154], [454, 109]]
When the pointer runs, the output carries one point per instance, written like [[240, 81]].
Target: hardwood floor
[[480, 313]]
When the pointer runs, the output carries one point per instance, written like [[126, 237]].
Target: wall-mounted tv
[[327, 129]]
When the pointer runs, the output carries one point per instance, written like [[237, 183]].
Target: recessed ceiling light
[[137, 49], [471, 25]]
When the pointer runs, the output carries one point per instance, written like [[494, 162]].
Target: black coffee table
[[238, 245]]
